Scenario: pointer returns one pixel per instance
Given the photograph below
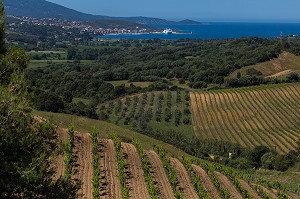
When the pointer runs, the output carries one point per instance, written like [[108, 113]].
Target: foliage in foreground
[[27, 144]]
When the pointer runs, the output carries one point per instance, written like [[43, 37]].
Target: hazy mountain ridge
[[45, 9]]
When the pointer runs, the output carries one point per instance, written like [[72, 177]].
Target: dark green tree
[[27, 143]]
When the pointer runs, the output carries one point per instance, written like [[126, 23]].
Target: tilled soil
[[207, 183], [251, 191], [110, 183], [84, 168], [184, 180], [226, 183], [62, 136], [160, 176], [135, 173]]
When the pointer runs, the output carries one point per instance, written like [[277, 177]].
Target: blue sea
[[219, 30]]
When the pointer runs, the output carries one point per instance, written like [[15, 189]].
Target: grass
[[286, 61], [84, 125], [290, 180], [163, 126], [85, 101], [127, 84], [44, 63], [175, 82]]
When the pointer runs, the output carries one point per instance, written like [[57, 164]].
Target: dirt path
[[110, 184], [285, 72], [160, 176], [207, 183], [84, 168], [62, 136], [226, 183], [251, 191], [184, 179], [136, 180]]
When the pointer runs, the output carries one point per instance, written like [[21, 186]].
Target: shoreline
[[147, 33]]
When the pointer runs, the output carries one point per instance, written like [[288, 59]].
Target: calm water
[[221, 30]]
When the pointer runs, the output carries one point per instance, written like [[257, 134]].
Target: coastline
[[214, 31]]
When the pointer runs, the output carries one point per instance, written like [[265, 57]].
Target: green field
[[147, 113], [44, 63], [127, 83]]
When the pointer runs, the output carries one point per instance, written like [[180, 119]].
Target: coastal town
[[96, 28]]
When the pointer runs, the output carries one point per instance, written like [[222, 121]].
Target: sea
[[217, 30]]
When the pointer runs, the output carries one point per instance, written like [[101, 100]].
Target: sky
[[201, 10]]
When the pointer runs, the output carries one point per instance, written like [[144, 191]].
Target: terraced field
[[263, 115], [127, 171]]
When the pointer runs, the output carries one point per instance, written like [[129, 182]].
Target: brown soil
[[209, 116], [284, 117], [283, 101], [203, 120], [59, 165], [224, 119], [237, 119], [282, 73], [269, 117], [262, 120], [251, 191], [269, 192], [136, 180], [207, 183], [84, 168], [110, 184], [196, 116], [254, 120], [215, 119], [226, 183], [246, 121], [184, 181], [160, 176]]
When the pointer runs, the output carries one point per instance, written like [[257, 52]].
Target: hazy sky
[[205, 10]]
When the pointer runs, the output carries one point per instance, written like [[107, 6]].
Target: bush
[[293, 77], [268, 161], [186, 121]]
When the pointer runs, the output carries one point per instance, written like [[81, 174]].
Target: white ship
[[168, 31]]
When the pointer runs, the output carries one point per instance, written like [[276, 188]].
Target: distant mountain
[[45, 9], [189, 22]]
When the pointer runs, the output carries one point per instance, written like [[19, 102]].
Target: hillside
[[110, 183], [286, 63], [263, 115], [46, 9], [127, 170], [43, 9]]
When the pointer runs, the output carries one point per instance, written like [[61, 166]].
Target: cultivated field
[[281, 66], [263, 115], [109, 168], [151, 112]]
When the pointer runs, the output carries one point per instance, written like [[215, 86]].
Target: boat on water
[[168, 31]]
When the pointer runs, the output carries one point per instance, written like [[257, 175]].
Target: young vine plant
[[153, 191]]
